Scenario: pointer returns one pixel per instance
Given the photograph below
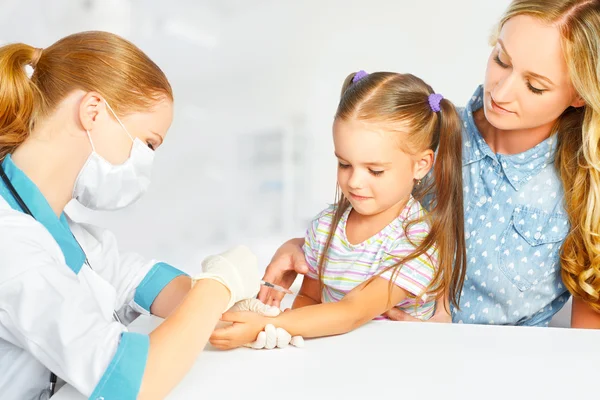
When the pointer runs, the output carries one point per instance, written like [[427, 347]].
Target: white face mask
[[101, 185]]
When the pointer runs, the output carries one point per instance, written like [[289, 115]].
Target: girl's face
[[527, 82], [374, 174]]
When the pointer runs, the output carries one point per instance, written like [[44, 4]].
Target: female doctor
[[85, 126]]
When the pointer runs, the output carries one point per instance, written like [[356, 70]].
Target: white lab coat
[[53, 318]]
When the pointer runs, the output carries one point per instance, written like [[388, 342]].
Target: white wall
[[242, 69]]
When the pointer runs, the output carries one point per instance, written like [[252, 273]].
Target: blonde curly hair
[[578, 154]]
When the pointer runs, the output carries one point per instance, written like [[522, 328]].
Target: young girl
[[531, 174], [376, 247]]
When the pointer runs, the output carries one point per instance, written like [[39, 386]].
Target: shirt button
[[537, 235], [483, 200]]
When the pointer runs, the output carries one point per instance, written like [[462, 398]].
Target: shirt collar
[[42, 212], [518, 168]]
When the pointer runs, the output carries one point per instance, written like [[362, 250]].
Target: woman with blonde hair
[[531, 171]]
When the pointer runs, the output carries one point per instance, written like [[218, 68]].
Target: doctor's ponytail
[[90, 61], [18, 94]]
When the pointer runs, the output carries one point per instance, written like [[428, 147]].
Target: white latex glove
[[237, 269], [271, 337], [256, 306]]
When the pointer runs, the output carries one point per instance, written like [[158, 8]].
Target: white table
[[397, 360]]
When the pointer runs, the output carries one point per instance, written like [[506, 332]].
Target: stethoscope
[[46, 393]]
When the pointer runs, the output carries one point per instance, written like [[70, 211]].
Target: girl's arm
[[309, 294], [584, 316], [358, 307]]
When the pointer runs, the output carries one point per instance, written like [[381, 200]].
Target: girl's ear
[[423, 164]]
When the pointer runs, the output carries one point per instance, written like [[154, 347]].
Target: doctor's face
[[113, 143]]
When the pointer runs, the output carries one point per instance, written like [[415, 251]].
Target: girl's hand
[[245, 329], [287, 263]]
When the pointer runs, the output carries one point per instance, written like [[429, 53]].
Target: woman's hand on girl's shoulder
[[441, 314], [396, 314]]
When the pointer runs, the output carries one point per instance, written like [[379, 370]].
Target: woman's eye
[[499, 62], [534, 89]]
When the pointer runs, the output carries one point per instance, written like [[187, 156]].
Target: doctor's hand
[[270, 337], [273, 337], [236, 269], [285, 265], [255, 306]]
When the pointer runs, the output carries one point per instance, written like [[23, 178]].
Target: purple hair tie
[[434, 101], [359, 75]]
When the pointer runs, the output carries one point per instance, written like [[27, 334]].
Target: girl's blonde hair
[[90, 61], [578, 129], [395, 102]]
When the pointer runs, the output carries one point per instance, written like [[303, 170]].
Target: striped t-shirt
[[349, 265]]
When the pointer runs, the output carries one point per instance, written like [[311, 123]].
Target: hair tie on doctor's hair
[[359, 75], [37, 54], [434, 101]]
